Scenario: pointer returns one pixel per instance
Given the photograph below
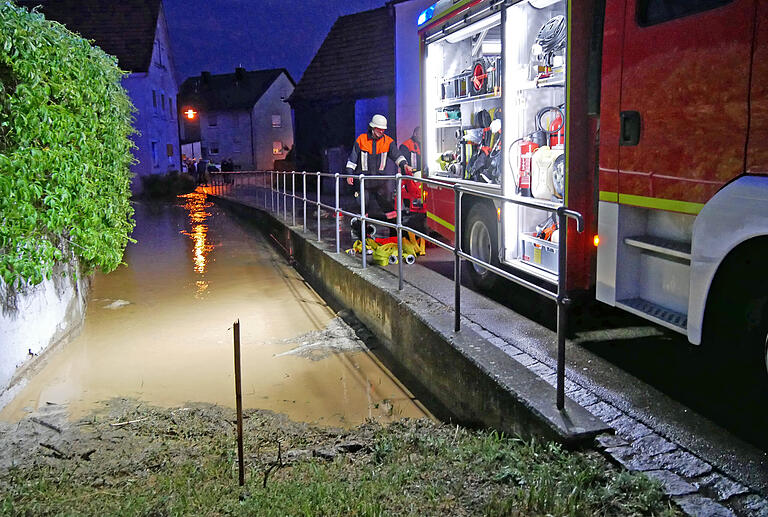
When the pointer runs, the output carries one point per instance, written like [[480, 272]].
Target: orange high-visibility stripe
[[412, 146], [366, 144]]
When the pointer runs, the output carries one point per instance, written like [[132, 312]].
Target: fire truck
[[649, 117]]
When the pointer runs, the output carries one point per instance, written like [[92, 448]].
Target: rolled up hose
[[393, 259], [409, 259]]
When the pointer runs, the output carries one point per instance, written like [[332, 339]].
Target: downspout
[[253, 151]]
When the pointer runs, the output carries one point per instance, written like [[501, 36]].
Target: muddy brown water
[[159, 329]]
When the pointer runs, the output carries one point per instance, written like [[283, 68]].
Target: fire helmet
[[379, 121]]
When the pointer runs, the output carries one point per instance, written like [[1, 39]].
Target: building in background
[[351, 78], [134, 31], [240, 117]]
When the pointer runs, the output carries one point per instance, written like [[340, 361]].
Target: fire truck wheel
[[480, 240]]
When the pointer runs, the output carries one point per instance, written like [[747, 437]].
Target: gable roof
[[123, 28], [240, 90], [356, 59]]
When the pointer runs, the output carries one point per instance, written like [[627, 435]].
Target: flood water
[[159, 329]]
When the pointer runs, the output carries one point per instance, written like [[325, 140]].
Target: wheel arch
[[731, 228]]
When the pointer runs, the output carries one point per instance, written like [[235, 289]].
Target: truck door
[[683, 100]]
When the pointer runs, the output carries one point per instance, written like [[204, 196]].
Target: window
[[277, 148], [213, 119], [170, 107], [214, 148], [154, 99], [277, 121], [651, 12], [155, 157], [162, 101]]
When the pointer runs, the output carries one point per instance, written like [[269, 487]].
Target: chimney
[[206, 76], [239, 73]]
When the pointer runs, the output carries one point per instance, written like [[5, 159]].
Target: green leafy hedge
[[65, 151]]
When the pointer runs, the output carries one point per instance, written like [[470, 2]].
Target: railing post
[[319, 237], [457, 258], [272, 191], [285, 196], [362, 220], [304, 190], [293, 198], [562, 309], [399, 193], [337, 217]]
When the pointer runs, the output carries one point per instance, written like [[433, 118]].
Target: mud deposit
[[130, 459]]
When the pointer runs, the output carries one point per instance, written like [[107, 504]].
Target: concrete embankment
[[35, 320], [459, 375]]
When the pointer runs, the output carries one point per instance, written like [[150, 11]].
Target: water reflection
[[196, 204], [147, 335]]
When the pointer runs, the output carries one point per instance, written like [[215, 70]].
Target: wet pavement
[[159, 329]]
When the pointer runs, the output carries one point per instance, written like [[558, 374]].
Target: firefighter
[[370, 155], [411, 149]]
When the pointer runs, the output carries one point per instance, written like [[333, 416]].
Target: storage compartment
[[539, 253]]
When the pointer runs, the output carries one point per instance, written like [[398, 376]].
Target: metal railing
[[219, 185]]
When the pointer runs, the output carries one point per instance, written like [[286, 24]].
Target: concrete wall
[[36, 320], [272, 102], [460, 377], [156, 118]]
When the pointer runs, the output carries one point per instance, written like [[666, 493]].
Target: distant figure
[[369, 155], [202, 171], [411, 149]]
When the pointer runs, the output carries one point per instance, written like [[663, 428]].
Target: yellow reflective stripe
[[673, 205], [611, 197], [456, 6], [440, 221]]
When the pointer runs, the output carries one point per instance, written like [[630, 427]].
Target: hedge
[[65, 150]]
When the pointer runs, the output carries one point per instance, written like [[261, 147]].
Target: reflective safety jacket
[[370, 156], [412, 152]]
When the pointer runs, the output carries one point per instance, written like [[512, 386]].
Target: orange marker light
[[596, 240], [498, 213]]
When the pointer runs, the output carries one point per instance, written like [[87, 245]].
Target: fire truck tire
[[480, 239], [736, 321]]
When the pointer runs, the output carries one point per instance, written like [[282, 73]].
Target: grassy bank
[[182, 462]]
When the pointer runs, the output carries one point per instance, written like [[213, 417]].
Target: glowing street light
[[190, 113]]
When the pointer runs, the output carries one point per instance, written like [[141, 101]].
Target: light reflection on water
[[197, 205], [150, 333]]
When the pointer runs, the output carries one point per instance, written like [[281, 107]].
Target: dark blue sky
[[218, 35]]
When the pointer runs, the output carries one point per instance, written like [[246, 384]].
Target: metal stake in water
[[338, 216], [363, 221], [239, 404]]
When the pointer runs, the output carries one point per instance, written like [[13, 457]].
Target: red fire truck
[[650, 117]]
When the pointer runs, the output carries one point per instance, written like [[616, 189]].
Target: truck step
[[671, 248], [674, 320]]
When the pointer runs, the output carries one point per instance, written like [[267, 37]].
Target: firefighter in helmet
[[375, 153]]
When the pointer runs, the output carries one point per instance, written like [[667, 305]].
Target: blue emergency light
[[426, 15]]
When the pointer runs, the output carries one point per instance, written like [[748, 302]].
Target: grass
[[183, 463]]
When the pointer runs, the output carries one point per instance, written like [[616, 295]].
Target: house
[[351, 78], [241, 117], [136, 32]]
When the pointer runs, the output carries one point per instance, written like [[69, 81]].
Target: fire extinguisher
[[557, 130], [528, 146]]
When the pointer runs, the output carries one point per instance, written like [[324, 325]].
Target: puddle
[[160, 330]]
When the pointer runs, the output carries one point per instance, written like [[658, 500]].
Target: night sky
[[219, 35]]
